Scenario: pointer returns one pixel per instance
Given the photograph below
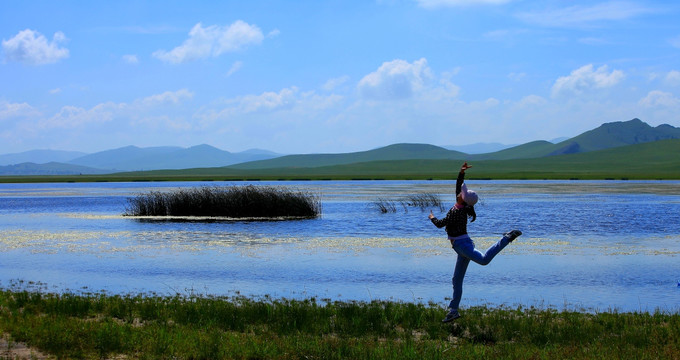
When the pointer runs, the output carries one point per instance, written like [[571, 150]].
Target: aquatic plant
[[424, 200], [384, 205], [233, 201], [420, 200]]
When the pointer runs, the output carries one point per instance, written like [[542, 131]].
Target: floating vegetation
[[234, 202], [421, 200]]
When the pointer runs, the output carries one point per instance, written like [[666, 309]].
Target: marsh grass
[[422, 201], [96, 325], [234, 202]]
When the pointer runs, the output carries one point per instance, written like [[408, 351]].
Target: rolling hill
[[132, 158], [39, 157], [652, 160], [200, 159], [391, 152], [51, 168], [606, 136]]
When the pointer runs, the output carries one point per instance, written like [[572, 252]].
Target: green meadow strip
[[99, 325]]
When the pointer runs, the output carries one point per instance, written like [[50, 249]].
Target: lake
[[587, 245]]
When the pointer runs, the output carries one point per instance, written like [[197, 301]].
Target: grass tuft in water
[[235, 202], [421, 200]]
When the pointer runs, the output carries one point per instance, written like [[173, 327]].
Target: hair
[[470, 210]]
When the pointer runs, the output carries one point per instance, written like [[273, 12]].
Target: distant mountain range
[[609, 135], [131, 158]]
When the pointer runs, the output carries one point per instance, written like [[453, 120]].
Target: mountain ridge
[[133, 158]]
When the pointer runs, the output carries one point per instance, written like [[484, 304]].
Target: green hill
[[616, 134], [392, 152], [630, 149], [610, 135], [606, 136], [653, 160], [530, 150]]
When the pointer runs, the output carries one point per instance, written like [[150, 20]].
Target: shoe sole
[[449, 320]]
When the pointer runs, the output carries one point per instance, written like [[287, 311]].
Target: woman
[[456, 229]]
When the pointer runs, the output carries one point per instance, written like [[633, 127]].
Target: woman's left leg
[[468, 249]]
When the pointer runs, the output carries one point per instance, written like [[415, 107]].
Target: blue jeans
[[465, 248]]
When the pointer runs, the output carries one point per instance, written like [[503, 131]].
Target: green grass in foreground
[[202, 327]]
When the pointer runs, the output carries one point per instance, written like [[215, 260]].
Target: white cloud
[[673, 77], [131, 59], [234, 68], [658, 98], [15, 110], [73, 116], [286, 105], [212, 41], [70, 117], [268, 100], [332, 84], [396, 79], [168, 97], [531, 101], [586, 15], [274, 33], [585, 78], [31, 47], [55, 91], [432, 4]]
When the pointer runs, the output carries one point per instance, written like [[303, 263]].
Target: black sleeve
[[459, 182], [440, 223]]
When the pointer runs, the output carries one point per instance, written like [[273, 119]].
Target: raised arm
[[461, 177]]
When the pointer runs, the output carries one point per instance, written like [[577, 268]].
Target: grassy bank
[[135, 326]]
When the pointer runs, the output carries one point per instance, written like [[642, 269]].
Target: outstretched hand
[[431, 216], [465, 167]]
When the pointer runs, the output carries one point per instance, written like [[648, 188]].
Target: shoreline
[[21, 179]]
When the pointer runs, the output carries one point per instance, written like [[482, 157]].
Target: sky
[[314, 76]]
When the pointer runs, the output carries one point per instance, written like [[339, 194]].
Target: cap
[[469, 196]]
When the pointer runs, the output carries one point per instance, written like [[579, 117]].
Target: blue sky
[[330, 76]]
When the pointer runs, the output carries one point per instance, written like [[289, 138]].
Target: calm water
[[592, 245]]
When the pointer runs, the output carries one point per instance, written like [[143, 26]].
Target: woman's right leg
[[462, 263]]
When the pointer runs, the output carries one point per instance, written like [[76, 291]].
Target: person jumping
[[456, 229]]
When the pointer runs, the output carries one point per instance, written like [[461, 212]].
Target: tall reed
[[420, 200], [236, 202]]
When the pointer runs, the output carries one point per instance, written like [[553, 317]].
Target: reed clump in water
[[420, 200], [234, 201], [99, 325]]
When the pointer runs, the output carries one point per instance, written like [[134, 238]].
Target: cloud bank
[[212, 41], [394, 80], [584, 79], [32, 48]]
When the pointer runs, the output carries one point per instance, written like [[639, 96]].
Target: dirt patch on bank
[[10, 349]]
